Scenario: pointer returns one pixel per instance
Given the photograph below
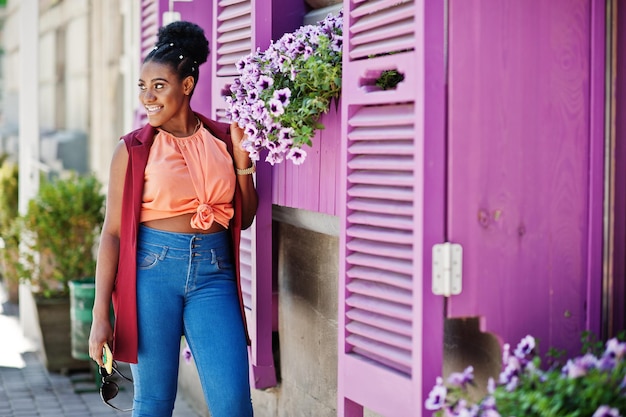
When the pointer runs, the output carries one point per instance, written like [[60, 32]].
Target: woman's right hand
[[101, 333]]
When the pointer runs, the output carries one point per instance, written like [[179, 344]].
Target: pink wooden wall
[[525, 165], [313, 185]]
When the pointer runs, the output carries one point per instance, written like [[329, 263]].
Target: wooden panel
[[519, 160], [313, 185]]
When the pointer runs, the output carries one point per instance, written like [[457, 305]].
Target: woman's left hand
[[242, 159]]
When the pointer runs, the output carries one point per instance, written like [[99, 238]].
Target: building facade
[[504, 138]]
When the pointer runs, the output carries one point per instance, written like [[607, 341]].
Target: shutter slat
[[235, 11], [394, 354], [386, 147], [379, 335], [226, 3], [381, 220], [382, 178], [382, 355], [400, 266], [379, 206], [382, 17], [382, 162], [382, 133], [400, 29], [242, 23], [394, 115], [234, 35], [237, 49], [372, 6], [387, 193], [380, 290], [378, 275], [379, 306], [398, 43], [388, 323]]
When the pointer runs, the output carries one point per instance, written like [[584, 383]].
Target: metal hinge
[[447, 269]]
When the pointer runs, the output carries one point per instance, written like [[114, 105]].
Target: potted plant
[[282, 92], [59, 232], [9, 231]]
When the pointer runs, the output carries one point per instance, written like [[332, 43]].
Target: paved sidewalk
[[27, 389]]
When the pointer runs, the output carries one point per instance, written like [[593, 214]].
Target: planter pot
[[82, 295], [55, 324]]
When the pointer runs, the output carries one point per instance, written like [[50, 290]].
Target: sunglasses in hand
[[108, 388]]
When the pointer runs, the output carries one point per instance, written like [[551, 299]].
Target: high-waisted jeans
[[186, 286]]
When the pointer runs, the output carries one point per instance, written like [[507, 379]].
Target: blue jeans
[[186, 286]]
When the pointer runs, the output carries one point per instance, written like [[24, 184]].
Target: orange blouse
[[193, 174]]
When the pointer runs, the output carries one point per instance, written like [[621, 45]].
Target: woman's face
[[162, 93]]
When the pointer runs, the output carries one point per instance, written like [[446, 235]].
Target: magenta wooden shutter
[[149, 26], [240, 26], [390, 324]]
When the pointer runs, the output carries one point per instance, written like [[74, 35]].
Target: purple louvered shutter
[[390, 324], [149, 26], [236, 32]]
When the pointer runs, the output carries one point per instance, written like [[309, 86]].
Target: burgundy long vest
[[138, 143]]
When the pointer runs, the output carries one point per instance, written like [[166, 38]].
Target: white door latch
[[447, 269]]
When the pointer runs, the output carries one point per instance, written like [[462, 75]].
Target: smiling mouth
[[152, 109]]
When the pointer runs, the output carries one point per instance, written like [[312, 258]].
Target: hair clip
[[180, 56], [172, 44]]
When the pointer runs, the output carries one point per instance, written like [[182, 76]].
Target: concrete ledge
[[309, 220]]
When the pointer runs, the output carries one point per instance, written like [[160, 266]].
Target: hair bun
[[187, 36]]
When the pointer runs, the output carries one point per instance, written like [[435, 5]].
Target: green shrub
[[9, 229], [61, 226]]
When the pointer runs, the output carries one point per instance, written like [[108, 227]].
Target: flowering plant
[[281, 92], [586, 386]]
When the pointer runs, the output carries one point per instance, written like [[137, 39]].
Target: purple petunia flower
[[258, 110], [577, 367], [606, 411], [615, 349], [283, 96], [251, 130], [297, 155], [264, 82], [511, 369], [461, 379], [274, 158], [512, 384], [437, 396], [525, 347], [186, 354], [276, 107]]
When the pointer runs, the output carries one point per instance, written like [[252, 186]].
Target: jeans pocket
[[147, 259]]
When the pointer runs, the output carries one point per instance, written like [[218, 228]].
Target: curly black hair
[[183, 46]]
